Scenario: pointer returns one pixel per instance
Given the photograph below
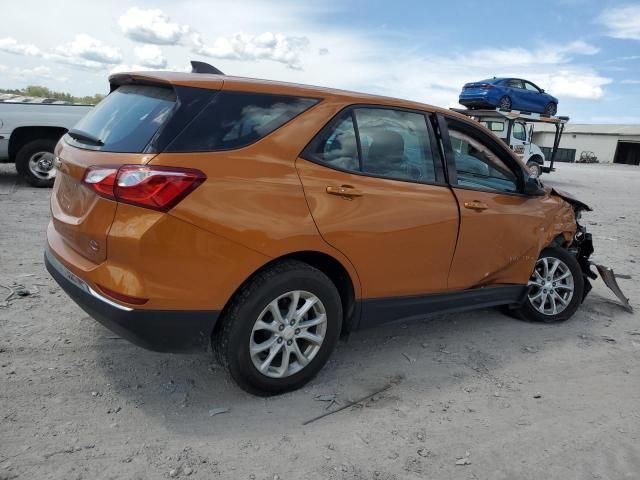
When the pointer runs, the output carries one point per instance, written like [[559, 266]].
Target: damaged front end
[[582, 248]]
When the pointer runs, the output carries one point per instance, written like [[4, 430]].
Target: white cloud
[[36, 72], [266, 46], [622, 22], [544, 55], [123, 67], [11, 45], [88, 53], [150, 56], [29, 74], [630, 82], [151, 26], [575, 83]]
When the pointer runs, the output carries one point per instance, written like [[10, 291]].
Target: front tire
[[280, 328], [551, 109], [556, 288], [34, 162], [535, 169]]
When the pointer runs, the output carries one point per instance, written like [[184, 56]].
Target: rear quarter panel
[[253, 195]]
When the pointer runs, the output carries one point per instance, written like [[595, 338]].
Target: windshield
[[125, 120]]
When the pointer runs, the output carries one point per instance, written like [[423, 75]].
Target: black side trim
[[449, 159], [378, 311], [158, 330]]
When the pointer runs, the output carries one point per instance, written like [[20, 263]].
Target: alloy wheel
[[551, 286], [534, 169], [41, 165], [288, 334], [505, 103]]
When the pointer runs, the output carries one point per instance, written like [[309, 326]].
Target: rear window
[[127, 119], [236, 119]]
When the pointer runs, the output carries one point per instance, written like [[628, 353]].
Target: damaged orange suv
[[264, 219]]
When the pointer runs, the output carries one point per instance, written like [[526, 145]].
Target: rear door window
[[514, 83], [126, 119], [392, 144], [237, 119]]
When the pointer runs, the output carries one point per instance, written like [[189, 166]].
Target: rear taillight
[[158, 188], [482, 86]]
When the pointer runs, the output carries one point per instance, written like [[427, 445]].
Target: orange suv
[[264, 219]]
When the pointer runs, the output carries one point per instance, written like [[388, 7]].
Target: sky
[[585, 52]]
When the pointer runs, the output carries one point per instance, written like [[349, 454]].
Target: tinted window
[[531, 86], [514, 83], [393, 143], [337, 146], [127, 118], [237, 119], [478, 167], [494, 126]]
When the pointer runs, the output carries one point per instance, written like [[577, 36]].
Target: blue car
[[508, 94]]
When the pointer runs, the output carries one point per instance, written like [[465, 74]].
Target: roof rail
[[202, 67]]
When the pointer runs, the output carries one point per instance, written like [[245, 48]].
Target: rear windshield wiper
[[85, 137]]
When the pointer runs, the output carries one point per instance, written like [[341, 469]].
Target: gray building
[[609, 143]]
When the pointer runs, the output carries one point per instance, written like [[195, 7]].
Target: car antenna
[[202, 67]]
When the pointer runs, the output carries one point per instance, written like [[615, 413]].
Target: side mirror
[[542, 90], [533, 187]]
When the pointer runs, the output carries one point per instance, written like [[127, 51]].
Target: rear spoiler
[[167, 78], [201, 67]]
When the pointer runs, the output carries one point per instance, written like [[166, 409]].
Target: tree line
[[44, 92]]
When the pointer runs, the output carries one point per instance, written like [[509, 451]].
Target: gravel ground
[[474, 395]]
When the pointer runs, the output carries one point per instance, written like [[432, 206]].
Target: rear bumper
[[159, 330], [478, 102]]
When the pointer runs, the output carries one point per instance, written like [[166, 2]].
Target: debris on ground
[[464, 460], [409, 358], [423, 452], [537, 395], [217, 411], [608, 339], [349, 404], [331, 399]]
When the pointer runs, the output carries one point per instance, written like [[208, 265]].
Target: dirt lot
[[503, 398]]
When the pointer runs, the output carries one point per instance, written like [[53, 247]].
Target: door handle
[[475, 205], [344, 191]]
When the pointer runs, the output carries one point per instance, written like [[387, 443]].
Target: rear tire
[[34, 162], [551, 109], [505, 103], [556, 290], [261, 314]]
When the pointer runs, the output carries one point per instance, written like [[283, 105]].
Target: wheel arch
[[346, 285], [23, 135], [536, 158]]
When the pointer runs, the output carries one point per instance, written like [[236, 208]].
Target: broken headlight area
[[582, 248]]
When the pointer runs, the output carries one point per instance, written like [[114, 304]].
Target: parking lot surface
[[474, 395]]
